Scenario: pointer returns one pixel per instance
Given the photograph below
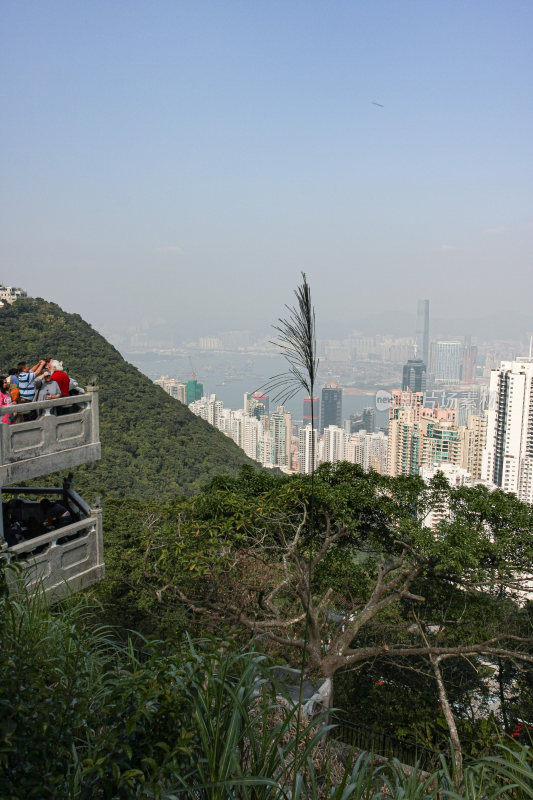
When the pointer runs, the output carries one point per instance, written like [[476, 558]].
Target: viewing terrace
[[51, 531]]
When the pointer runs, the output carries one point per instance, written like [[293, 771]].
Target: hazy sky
[[186, 160]]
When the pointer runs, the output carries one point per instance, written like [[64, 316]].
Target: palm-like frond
[[297, 342]]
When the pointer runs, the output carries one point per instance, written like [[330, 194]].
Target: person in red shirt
[[58, 375], [67, 385]]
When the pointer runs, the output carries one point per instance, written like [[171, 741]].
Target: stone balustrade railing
[[71, 557], [52, 441]]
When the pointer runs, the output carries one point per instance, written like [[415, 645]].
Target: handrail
[[41, 405], [47, 538], [65, 559], [48, 442], [60, 490]]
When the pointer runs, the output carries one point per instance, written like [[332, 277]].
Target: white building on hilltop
[[8, 294], [508, 456]]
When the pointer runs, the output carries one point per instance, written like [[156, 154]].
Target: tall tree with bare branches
[[343, 593]]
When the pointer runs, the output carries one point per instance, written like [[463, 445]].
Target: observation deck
[[51, 531]]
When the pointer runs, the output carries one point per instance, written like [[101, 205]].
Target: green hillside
[[152, 446]]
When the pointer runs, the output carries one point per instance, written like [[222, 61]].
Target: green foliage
[[83, 718], [224, 549], [402, 699], [152, 445]]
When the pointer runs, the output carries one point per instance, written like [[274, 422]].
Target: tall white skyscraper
[[281, 428], [307, 454], [508, 457], [333, 444], [446, 359], [252, 430]]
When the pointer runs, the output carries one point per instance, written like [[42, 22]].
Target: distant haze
[[181, 163]]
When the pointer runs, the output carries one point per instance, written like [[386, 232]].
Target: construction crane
[[192, 369]]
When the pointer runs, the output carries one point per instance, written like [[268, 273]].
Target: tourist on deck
[[14, 393], [5, 397], [54, 515], [13, 377], [26, 380], [68, 385], [46, 388], [58, 375]]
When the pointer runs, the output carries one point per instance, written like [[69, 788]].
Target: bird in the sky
[[377, 104]]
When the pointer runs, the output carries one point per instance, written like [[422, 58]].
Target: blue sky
[[183, 162]]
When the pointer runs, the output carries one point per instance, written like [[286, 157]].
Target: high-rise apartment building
[[210, 343], [313, 407], [420, 436], [414, 375], [473, 442], [456, 476], [439, 440], [508, 456], [307, 451], [403, 452], [332, 445], [422, 330], [265, 449], [281, 430], [208, 408], [331, 405]]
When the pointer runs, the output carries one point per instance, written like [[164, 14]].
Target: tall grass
[[83, 718]]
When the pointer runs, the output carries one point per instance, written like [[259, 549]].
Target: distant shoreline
[[356, 391]]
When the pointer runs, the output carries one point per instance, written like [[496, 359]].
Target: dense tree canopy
[[347, 574]]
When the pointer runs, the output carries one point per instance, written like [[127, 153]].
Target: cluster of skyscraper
[[426, 437], [479, 436], [445, 362], [273, 440], [488, 440], [494, 446], [263, 436]]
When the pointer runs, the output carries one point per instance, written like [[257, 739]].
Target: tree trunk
[[450, 719], [323, 697], [501, 688]]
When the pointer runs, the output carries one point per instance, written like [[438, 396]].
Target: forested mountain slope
[[152, 446]]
